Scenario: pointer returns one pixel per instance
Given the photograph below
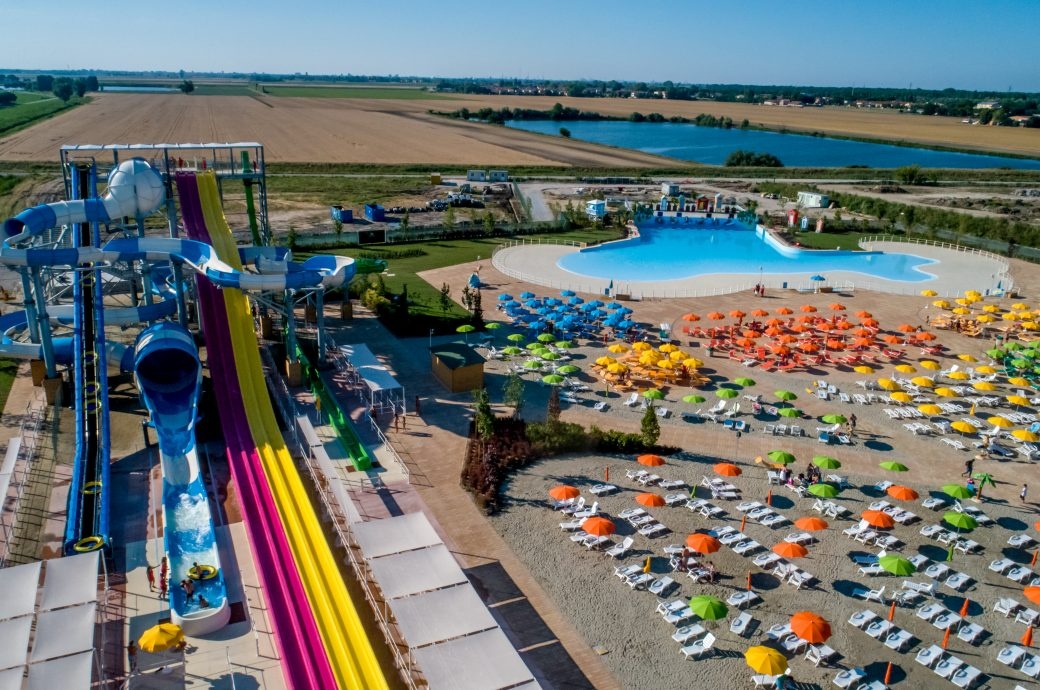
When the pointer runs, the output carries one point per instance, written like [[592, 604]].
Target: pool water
[[700, 246]]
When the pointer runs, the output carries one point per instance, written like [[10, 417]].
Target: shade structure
[[650, 500], [653, 394], [963, 427], [726, 393], [791, 412], [902, 493], [824, 490], [1002, 422], [564, 492], [811, 627], [765, 660], [897, 565], [1025, 435], [1032, 593], [703, 543], [789, 550], [650, 460], [708, 607], [440, 615], [956, 491], [893, 466], [900, 397], [834, 419], [785, 395], [930, 364], [68, 672], [727, 469], [781, 457], [598, 526], [693, 399], [930, 409], [875, 518], [960, 520], [811, 523], [161, 637], [826, 462], [19, 585], [474, 662], [888, 385]]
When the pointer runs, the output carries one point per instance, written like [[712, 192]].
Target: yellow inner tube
[[92, 488], [202, 572], [87, 544]]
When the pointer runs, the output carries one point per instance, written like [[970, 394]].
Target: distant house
[[813, 200], [596, 209], [669, 189], [498, 176], [476, 175], [987, 105], [1021, 120]]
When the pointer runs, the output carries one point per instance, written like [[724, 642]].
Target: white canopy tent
[[19, 585], [69, 581], [441, 615], [63, 632], [485, 661], [67, 673], [11, 679], [14, 641], [412, 572], [378, 538], [384, 391]]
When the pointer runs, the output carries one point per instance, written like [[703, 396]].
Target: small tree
[[552, 412], [476, 306], [489, 223], [484, 418], [63, 88], [292, 238], [405, 222], [445, 298], [449, 217], [650, 428], [186, 86], [337, 226], [513, 393], [565, 133]]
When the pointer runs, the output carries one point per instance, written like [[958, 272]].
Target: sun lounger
[[654, 530], [1031, 666], [947, 620], [1011, 655], [766, 560], [870, 594], [747, 547], [675, 499], [899, 640], [742, 598], [699, 647], [879, 629], [672, 484], [661, 585], [778, 631], [625, 571], [1020, 574], [1027, 617], [947, 666], [640, 580], [622, 549], [872, 570], [666, 607], [571, 525], [732, 538], [1020, 540], [739, 625], [958, 581], [970, 633], [849, 678], [763, 679], [930, 656], [603, 489], [1006, 606], [862, 618], [966, 677], [688, 632]]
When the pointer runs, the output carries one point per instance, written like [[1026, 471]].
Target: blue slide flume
[[169, 376]]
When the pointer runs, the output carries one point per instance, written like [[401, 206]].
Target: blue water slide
[[169, 376]]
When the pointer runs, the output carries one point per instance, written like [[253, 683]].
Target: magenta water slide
[[304, 661]]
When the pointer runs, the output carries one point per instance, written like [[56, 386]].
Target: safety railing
[[28, 439]]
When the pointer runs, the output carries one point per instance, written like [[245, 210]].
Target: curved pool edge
[[536, 263]]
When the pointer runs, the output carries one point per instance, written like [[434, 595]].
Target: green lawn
[[425, 311], [832, 240], [33, 96], [8, 370], [349, 191], [21, 115], [378, 92]]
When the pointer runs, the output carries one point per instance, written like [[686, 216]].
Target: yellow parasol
[[692, 363], [642, 346], [1002, 422], [946, 392], [983, 386], [864, 369], [901, 397], [618, 348], [1016, 380], [985, 369], [605, 361], [922, 382], [928, 293], [967, 358], [161, 637], [1025, 435], [958, 375], [941, 303], [963, 427], [1017, 400], [905, 368], [888, 385], [985, 318], [930, 409], [668, 347], [930, 364]]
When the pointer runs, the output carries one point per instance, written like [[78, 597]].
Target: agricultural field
[[407, 93], [31, 107]]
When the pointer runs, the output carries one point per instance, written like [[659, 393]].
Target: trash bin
[[784, 286]]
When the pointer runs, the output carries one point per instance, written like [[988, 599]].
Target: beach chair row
[[947, 666], [1017, 658], [892, 636]]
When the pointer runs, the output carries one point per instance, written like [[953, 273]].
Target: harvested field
[[321, 130], [854, 122]]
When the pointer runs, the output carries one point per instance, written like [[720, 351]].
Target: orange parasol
[[809, 347], [775, 322], [863, 314], [564, 492], [906, 328], [875, 518], [837, 306], [810, 627], [800, 328], [925, 336], [737, 314], [784, 311], [650, 460], [703, 543], [787, 339], [902, 493], [789, 550], [1027, 637], [862, 342], [810, 524], [806, 318], [598, 526], [744, 342], [727, 469], [965, 607], [780, 349], [1032, 593], [892, 339], [824, 326], [863, 333], [835, 344], [650, 500], [760, 313], [808, 308], [843, 325], [946, 637], [691, 317], [869, 322], [751, 333], [773, 331], [716, 316]]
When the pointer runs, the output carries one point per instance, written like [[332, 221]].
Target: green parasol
[[546, 338], [726, 393], [826, 462], [653, 394], [824, 490], [892, 466], [533, 364], [897, 565], [781, 457], [516, 338], [787, 396], [568, 369], [834, 419], [511, 350], [708, 608], [960, 521], [744, 381], [494, 325], [693, 399], [789, 412], [956, 491], [554, 379], [564, 344]]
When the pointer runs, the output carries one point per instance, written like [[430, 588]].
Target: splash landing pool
[[693, 247]]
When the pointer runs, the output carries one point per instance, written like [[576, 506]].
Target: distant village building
[[476, 175], [813, 200], [498, 176], [669, 189], [987, 105]]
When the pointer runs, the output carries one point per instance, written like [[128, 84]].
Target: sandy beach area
[[636, 641]]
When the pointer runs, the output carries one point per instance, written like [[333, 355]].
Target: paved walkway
[[433, 447]]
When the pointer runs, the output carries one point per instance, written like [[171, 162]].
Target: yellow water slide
[[350, 651]]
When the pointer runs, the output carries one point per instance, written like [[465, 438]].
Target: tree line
[[561, 113]]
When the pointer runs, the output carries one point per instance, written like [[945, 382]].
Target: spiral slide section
[[346, 642], [304, 662], [169, 376]]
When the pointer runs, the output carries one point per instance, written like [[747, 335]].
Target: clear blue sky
[[981, 44]]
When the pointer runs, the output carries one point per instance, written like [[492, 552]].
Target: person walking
[[852, 424], [150, 572], [131, 655], [1022, 494], [164, 587], [969, 465]]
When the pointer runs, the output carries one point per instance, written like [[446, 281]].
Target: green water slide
[[356, 451]]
